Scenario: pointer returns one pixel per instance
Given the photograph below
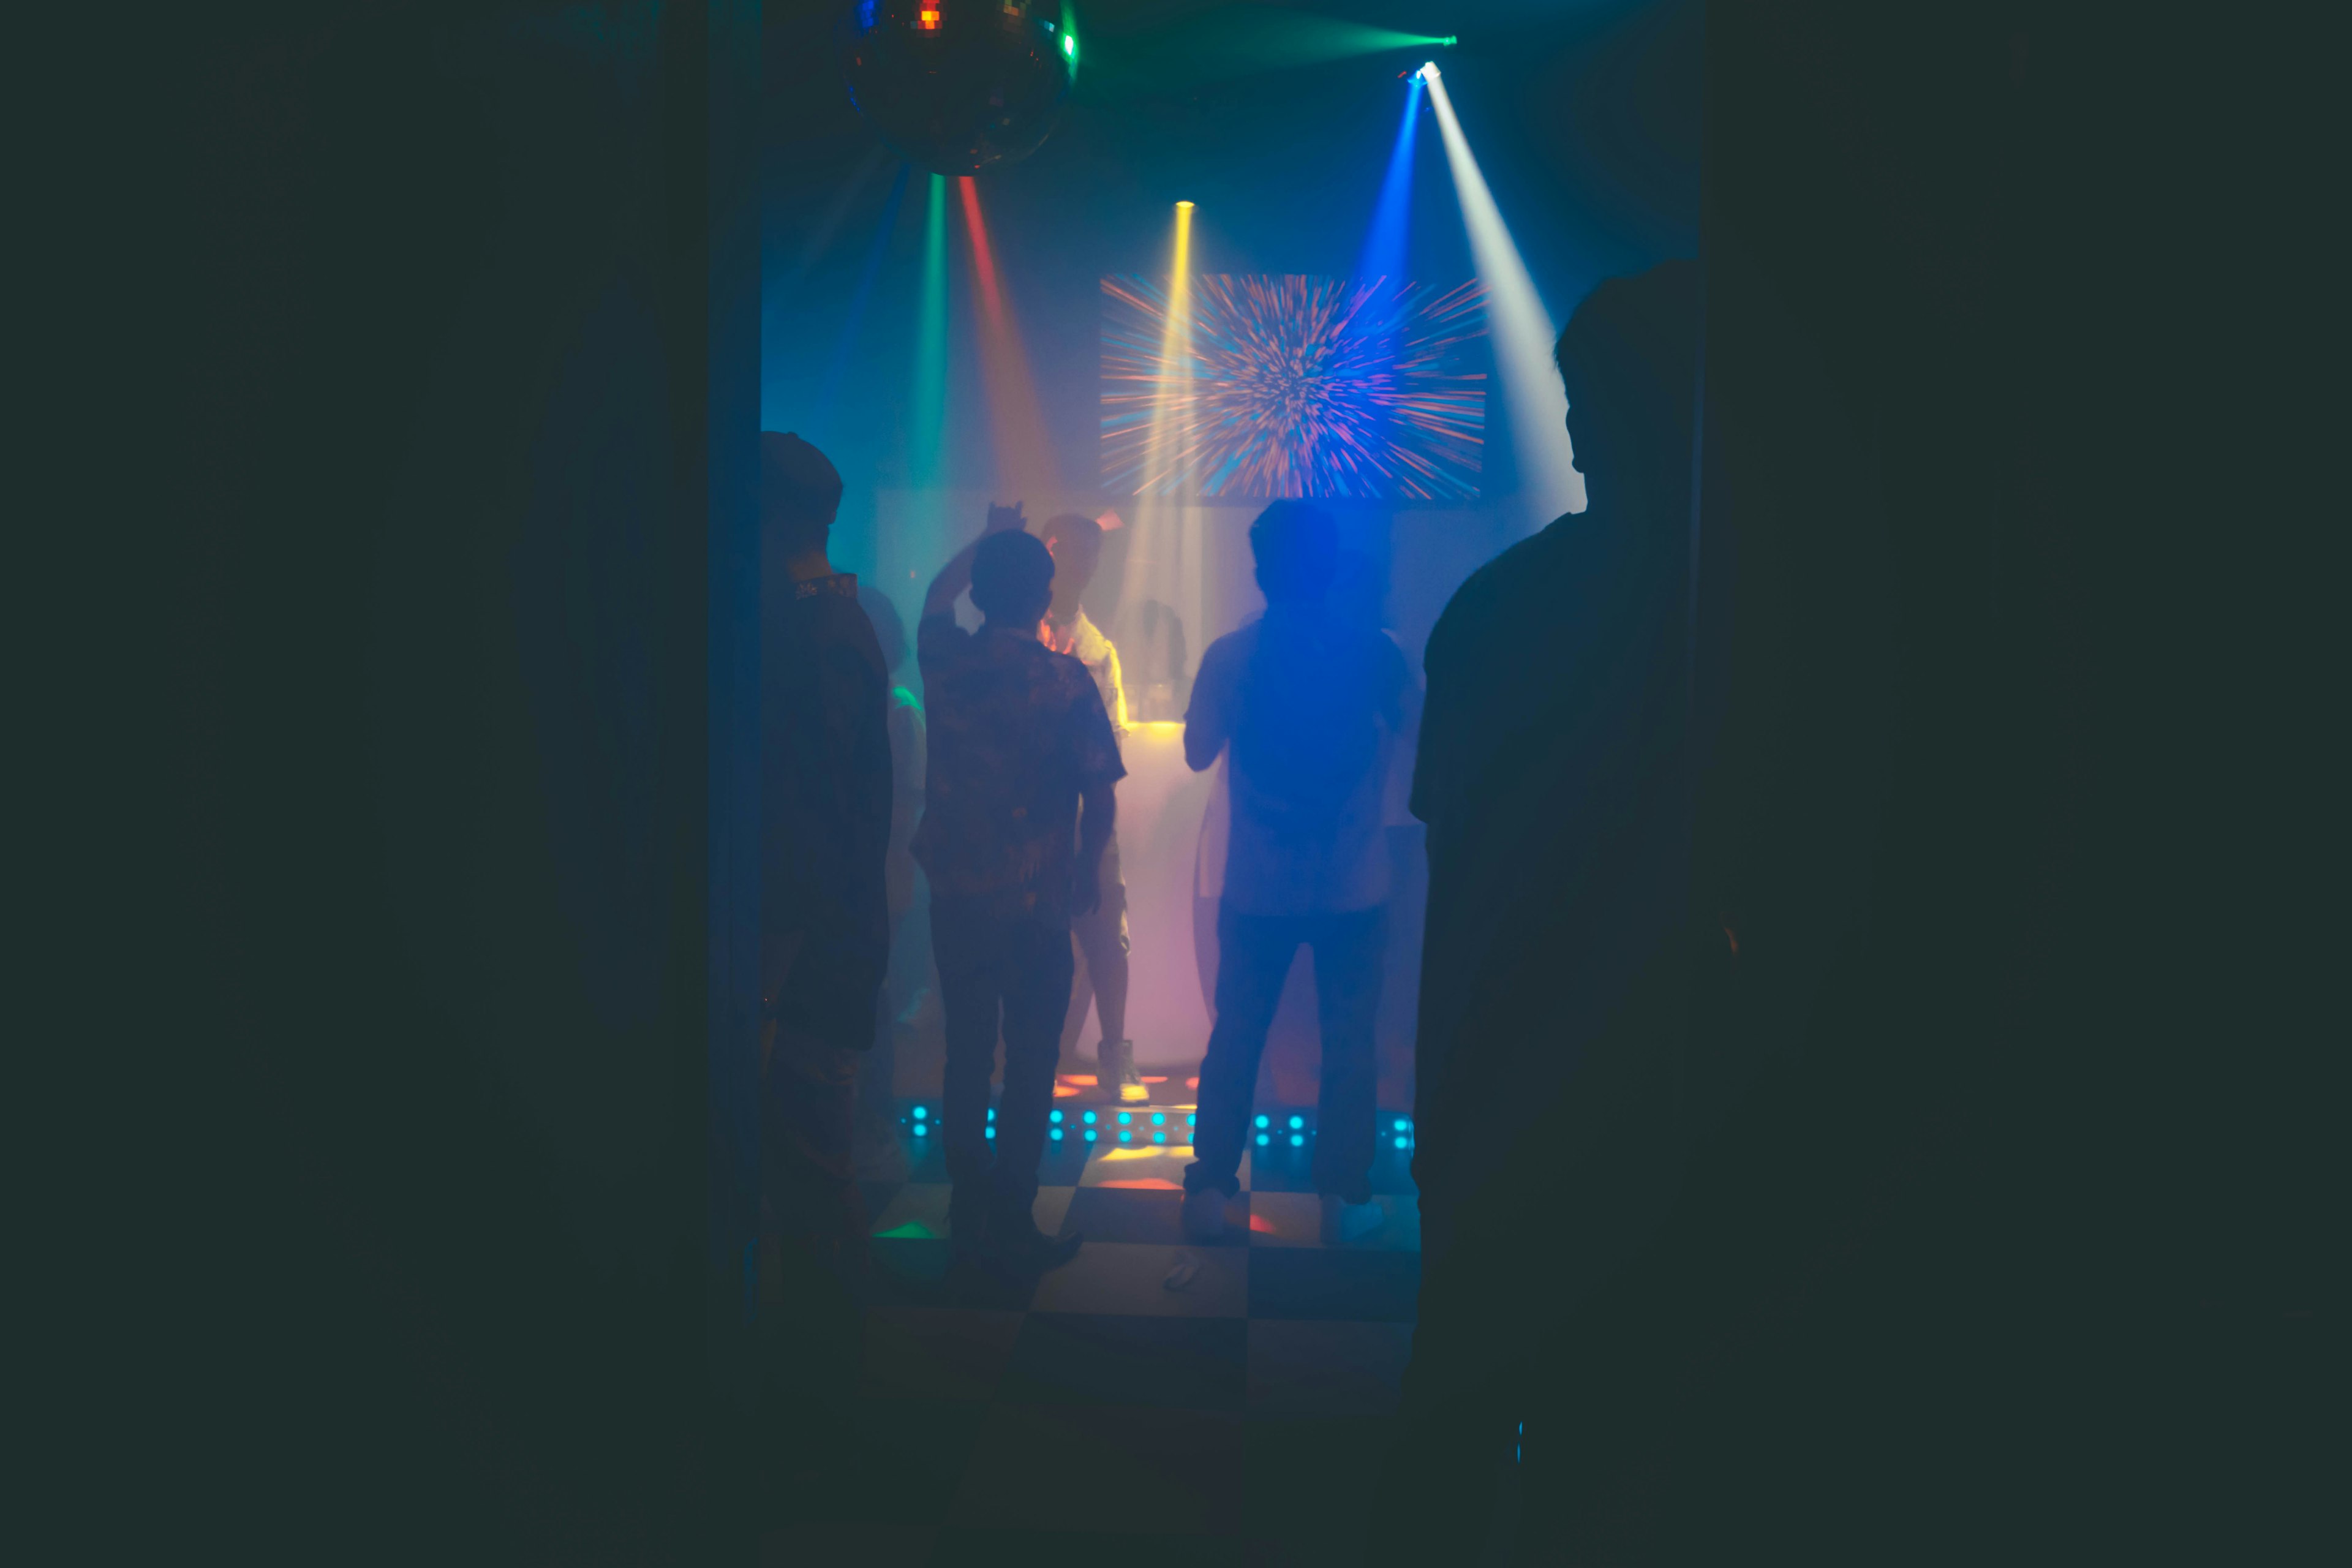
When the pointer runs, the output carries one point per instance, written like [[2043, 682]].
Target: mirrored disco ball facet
[[955, 86]]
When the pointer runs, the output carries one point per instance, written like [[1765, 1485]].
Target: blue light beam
[[1384, 242], [820, 418]]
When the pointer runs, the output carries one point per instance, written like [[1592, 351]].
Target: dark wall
[[456, 641]]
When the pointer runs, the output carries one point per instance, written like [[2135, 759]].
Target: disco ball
[[957, 85]]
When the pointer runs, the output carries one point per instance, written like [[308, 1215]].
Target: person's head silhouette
[[1297, 549], [800, 491], [1629, 360], [1012, 579]]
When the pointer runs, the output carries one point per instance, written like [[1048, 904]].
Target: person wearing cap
[[824, 752], [1018, 809], [1101, 936]]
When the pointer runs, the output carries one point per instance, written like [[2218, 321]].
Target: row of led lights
[[1266, 1132]]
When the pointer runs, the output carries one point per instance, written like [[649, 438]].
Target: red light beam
[[1025, 462]]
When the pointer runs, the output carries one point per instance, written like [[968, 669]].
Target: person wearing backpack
[[1310, 705]]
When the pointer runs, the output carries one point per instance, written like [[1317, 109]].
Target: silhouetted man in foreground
[[1551, 775], [1018, 740], [826, 781], [1311, 704]]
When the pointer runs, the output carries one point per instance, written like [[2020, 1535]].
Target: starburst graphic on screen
[[1268, 386]]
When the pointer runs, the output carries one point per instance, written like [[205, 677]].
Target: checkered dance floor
[[1163, 1399]]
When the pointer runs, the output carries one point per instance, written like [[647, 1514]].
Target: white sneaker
[[1118, 1079], [1204, 1214], [1344, 1222]]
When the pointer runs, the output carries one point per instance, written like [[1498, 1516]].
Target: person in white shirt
[[1101, 936], [1311, 704]]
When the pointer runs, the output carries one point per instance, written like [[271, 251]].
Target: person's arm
[[1118, 704], [1208, 720], [956, 576], [1436, 721]]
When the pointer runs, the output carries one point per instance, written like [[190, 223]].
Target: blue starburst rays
[[1294, 385]]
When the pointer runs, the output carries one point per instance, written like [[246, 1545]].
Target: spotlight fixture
[[1428, 71]]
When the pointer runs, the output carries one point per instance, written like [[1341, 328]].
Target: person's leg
[[879, 1153], [1102, 938], [809, 1328], [1107, 955], [812, 1185], [1254, 954], [1036, 993], [964, 942], [1347, 952]]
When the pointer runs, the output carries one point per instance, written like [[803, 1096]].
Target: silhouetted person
[[825, 783], [1311, 704], [880, 1154], [1018, 739], [1101, 934], [1155, 664], [1551, 776]]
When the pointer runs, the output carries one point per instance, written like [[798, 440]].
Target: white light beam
[[1523, 331]]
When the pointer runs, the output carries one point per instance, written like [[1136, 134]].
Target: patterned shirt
[[1017, 732]]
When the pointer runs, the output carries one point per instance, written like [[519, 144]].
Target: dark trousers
[[809, 1330], [1254, 954], [994, 965]]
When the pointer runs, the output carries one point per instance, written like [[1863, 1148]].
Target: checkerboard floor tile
[[1090, 1357], [1231, 1419], [1132, 1279]]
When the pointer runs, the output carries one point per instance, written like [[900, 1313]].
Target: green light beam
[[1239, 40], [928, 409]]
